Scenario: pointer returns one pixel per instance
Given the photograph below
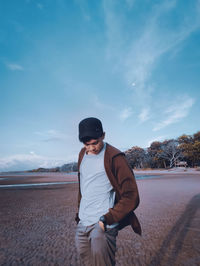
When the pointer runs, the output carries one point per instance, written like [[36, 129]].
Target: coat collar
[[110, 153]]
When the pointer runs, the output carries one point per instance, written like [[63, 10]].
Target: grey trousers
[[96, 247]]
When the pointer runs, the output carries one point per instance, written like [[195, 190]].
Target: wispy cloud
[[114, 31], [158, 138], [130, 3], [175, 113], [51, 135], [125, 113], [14, 67], [139, 55], [84, 7], [40, 6], [144, 115], [20, 162], [155, 41], [95, 100]]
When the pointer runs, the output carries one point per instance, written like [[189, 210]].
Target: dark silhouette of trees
[[170, 152], [196, 136], [136, 157], [186, 146], [167, 153], [154, 151], [190, 146]]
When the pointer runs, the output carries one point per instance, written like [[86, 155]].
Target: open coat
[[123, 181]]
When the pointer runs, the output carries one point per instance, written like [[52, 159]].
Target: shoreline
[[45, 179], [177, 170], [142, 170]]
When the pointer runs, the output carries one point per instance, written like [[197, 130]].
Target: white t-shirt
[[96, 190]]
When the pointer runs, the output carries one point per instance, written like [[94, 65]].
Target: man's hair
[[86, 139]]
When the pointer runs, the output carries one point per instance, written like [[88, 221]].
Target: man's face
[[94, 146]]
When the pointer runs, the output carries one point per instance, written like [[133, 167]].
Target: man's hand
[[101, 224]]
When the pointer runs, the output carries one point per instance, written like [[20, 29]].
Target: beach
[[38, 227]]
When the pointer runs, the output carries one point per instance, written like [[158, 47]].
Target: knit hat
[[90, 127]]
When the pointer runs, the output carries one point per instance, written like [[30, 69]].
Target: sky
[[134, 64]]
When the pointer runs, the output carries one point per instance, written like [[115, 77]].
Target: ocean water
[[25, 176], [36, 184], [16, 174], [138, 177]]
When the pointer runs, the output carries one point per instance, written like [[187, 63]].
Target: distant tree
[[196, 136], [188, 153], [171, 152], [196, 149], [136, 157], [167, 153], [154, 151], [186, 146], [185, 139], [190, 148], [196, 153]]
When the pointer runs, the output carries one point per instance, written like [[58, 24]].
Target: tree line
[[167, 154]]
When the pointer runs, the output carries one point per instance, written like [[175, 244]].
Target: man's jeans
[[96, 247]]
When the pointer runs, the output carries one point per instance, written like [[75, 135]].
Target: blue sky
[[133, 63]]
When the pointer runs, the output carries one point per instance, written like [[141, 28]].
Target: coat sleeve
[[79, 199], [80, 157], [128, 197]]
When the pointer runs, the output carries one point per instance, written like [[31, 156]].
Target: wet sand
[[37, 223]]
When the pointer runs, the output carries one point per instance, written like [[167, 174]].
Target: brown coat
[[123, 181]]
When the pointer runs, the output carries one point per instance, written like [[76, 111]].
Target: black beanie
[[90, 127]]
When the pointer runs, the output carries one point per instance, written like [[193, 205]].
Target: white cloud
[[52, 135], [40, 6], [136, 57], [125, 113], [14, 67], [84, 7], [175, 113], [113, 31], [144, 115], [145, 53], [159, 138], [20, 162], [130, 3], [101, 105]]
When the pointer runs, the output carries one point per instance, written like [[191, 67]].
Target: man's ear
[[103, 136]]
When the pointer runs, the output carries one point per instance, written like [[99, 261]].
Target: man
[[107, 196]]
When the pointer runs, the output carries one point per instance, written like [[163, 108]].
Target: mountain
[[69, 167]]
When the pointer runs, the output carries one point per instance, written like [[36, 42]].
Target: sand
[[37, 223]]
